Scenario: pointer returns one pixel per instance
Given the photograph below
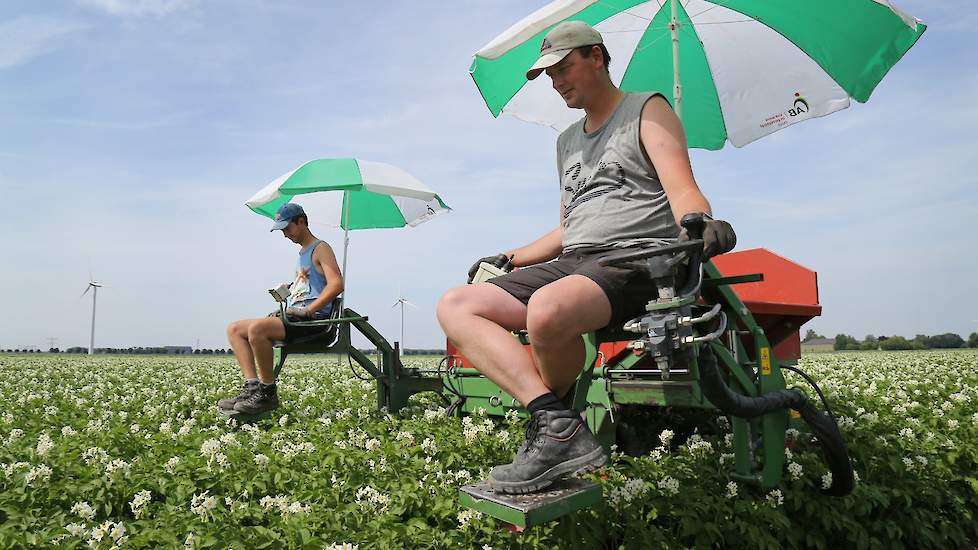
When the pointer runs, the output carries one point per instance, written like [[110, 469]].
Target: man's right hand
[[718, 238], [501, 261]]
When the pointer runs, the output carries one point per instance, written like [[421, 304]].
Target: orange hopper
[[785, 300]]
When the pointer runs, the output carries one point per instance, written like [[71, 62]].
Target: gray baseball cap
[[560, 41]]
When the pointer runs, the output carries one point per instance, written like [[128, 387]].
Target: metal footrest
[[563, 497]]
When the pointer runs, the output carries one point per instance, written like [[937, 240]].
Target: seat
[[325, 341]]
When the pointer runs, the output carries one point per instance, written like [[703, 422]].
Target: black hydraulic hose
[[814, 386], [349, 361], [716, 390], [822, 425], [833, 448], [445, 384]]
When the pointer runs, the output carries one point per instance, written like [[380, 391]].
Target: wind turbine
[[401, 301], [93, 285]]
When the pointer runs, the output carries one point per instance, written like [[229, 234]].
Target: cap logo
[[546, 45]]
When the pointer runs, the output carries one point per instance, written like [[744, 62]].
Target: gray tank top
[[610, 191]]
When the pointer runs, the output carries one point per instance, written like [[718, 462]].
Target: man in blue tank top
[[625, 180], [317, 283]]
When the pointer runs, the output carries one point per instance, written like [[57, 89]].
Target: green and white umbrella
[[351, 194], [735, 69]]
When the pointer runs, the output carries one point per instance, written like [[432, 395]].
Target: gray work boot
[[557, 443], [264, 399], [248, 389]]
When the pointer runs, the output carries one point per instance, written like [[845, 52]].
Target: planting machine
[[701, 348]]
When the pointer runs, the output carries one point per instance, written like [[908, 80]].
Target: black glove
[[501, 261], [718, 238]]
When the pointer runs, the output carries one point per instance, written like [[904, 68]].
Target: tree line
[[948, 340]]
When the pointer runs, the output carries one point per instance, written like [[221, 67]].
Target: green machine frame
[[605, 385], [602, 387], [395, 385]]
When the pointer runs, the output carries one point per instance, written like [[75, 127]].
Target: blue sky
[[133, 131]]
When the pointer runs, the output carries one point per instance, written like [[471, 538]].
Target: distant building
[[178, 350], [818, 345]]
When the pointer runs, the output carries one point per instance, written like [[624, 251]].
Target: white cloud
[[138, 8], [26, 37]]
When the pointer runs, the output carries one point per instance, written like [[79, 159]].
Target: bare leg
[[557, 315], [261, 333], [238, 338], [479, 320]]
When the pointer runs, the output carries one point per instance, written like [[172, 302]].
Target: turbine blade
[[87, 288], [412, 305]]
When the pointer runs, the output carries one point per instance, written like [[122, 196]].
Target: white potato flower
[[666, 437], [466, 517], [827, 480], [44, 444], [84, 510], [669, 485], [138, 503]]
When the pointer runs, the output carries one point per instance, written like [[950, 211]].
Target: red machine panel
[[786, 299]]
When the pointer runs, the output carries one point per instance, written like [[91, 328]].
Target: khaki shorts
[[628, 290]]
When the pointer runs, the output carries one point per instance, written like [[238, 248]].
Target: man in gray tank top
[[625, 180]]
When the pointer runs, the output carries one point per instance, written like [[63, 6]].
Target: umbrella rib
[[647, 46], [610, 5], [727, 22], [643, 29], [715, 6]]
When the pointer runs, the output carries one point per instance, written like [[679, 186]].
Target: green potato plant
[[130, 452]]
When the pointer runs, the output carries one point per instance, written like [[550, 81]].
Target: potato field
[[130, 452]]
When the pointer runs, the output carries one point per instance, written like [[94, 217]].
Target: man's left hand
[[297, 312]]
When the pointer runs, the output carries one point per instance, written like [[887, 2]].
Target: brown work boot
[[264, 399], [246, 391]]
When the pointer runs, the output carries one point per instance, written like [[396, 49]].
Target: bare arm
[[541, 250], [324, 257], [664, 142]]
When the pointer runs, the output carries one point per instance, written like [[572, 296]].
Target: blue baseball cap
[[285, 214]]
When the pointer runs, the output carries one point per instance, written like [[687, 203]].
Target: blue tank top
[[309, 282]]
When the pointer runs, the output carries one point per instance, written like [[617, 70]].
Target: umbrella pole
[[346, 245], [677, 91]]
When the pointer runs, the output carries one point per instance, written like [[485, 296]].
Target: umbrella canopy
[[734, 69], [351, 194]]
